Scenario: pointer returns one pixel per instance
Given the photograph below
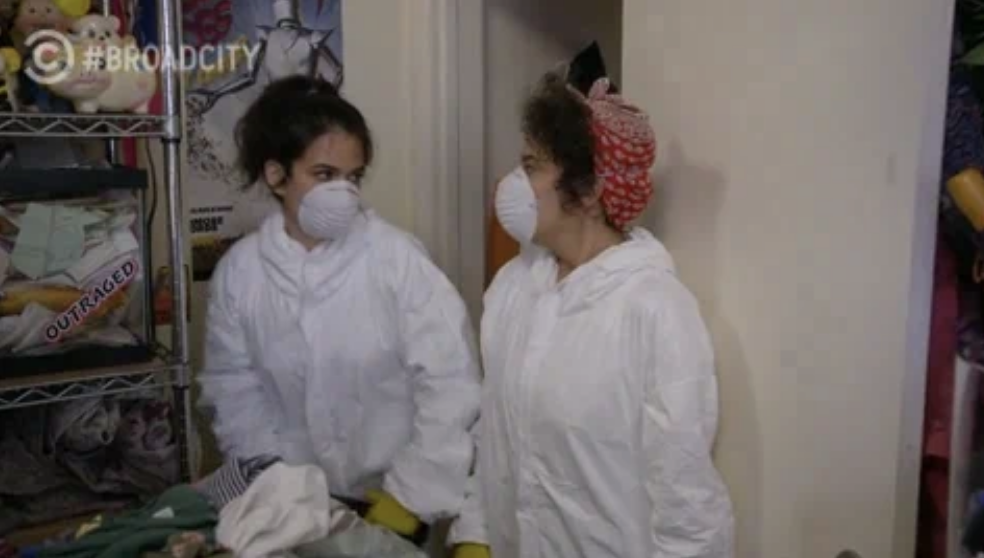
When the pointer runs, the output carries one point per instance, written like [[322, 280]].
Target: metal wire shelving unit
[[108, 126], [170, 368], [67, 386]]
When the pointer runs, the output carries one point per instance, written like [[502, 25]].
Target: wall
[[797, 175], [377, 72]]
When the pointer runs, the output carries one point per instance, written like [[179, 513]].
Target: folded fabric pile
[[179, 510], [287, 513], [180, 523], [252, 508], [83, 456]]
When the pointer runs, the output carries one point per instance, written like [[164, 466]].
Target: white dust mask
[[328, 209], [515, 206]]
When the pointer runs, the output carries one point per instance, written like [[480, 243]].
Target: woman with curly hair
[[600, 401]]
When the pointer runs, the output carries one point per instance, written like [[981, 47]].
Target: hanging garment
[[963, 151], [284, 508], [970, 325], [599, 413], [357, 356], [938, 422]]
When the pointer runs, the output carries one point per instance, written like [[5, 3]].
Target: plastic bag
[[352, 537]]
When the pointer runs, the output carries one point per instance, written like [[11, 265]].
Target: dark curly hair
[[558, 122], [288, 117]]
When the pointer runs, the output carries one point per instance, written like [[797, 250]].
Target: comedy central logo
[[52, 57]]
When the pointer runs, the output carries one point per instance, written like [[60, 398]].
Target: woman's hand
[[387, 512], [471, 550]]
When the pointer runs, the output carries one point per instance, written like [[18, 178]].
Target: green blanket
[[177, 510]]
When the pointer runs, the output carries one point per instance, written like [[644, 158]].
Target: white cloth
[[599, 414], [285, 507], [357, 356]]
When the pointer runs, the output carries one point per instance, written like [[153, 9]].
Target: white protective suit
[[599, 412], [357, 356]]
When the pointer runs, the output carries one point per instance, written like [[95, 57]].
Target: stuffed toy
[[38, 15], [10, 64]]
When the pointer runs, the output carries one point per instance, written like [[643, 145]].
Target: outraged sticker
[[91, 302]]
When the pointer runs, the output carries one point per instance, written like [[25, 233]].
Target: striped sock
[[231, 480]]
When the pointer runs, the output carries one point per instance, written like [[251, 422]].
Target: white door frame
[[447, 144]]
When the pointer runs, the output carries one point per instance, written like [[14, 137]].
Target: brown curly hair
[[558, 121]]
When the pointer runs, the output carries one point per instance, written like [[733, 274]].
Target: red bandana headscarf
[[625, 150]]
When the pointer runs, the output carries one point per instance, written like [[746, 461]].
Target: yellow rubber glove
[[471, 550], [385, 511]]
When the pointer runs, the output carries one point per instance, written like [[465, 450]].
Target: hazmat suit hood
[[286, 262], [599, 413], [591, 282]]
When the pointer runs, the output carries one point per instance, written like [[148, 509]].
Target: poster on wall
[[257, 41]]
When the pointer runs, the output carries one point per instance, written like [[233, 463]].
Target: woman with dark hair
[[332, 339], [600, 400]]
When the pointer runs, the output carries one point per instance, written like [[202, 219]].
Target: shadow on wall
[[687, 188]]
